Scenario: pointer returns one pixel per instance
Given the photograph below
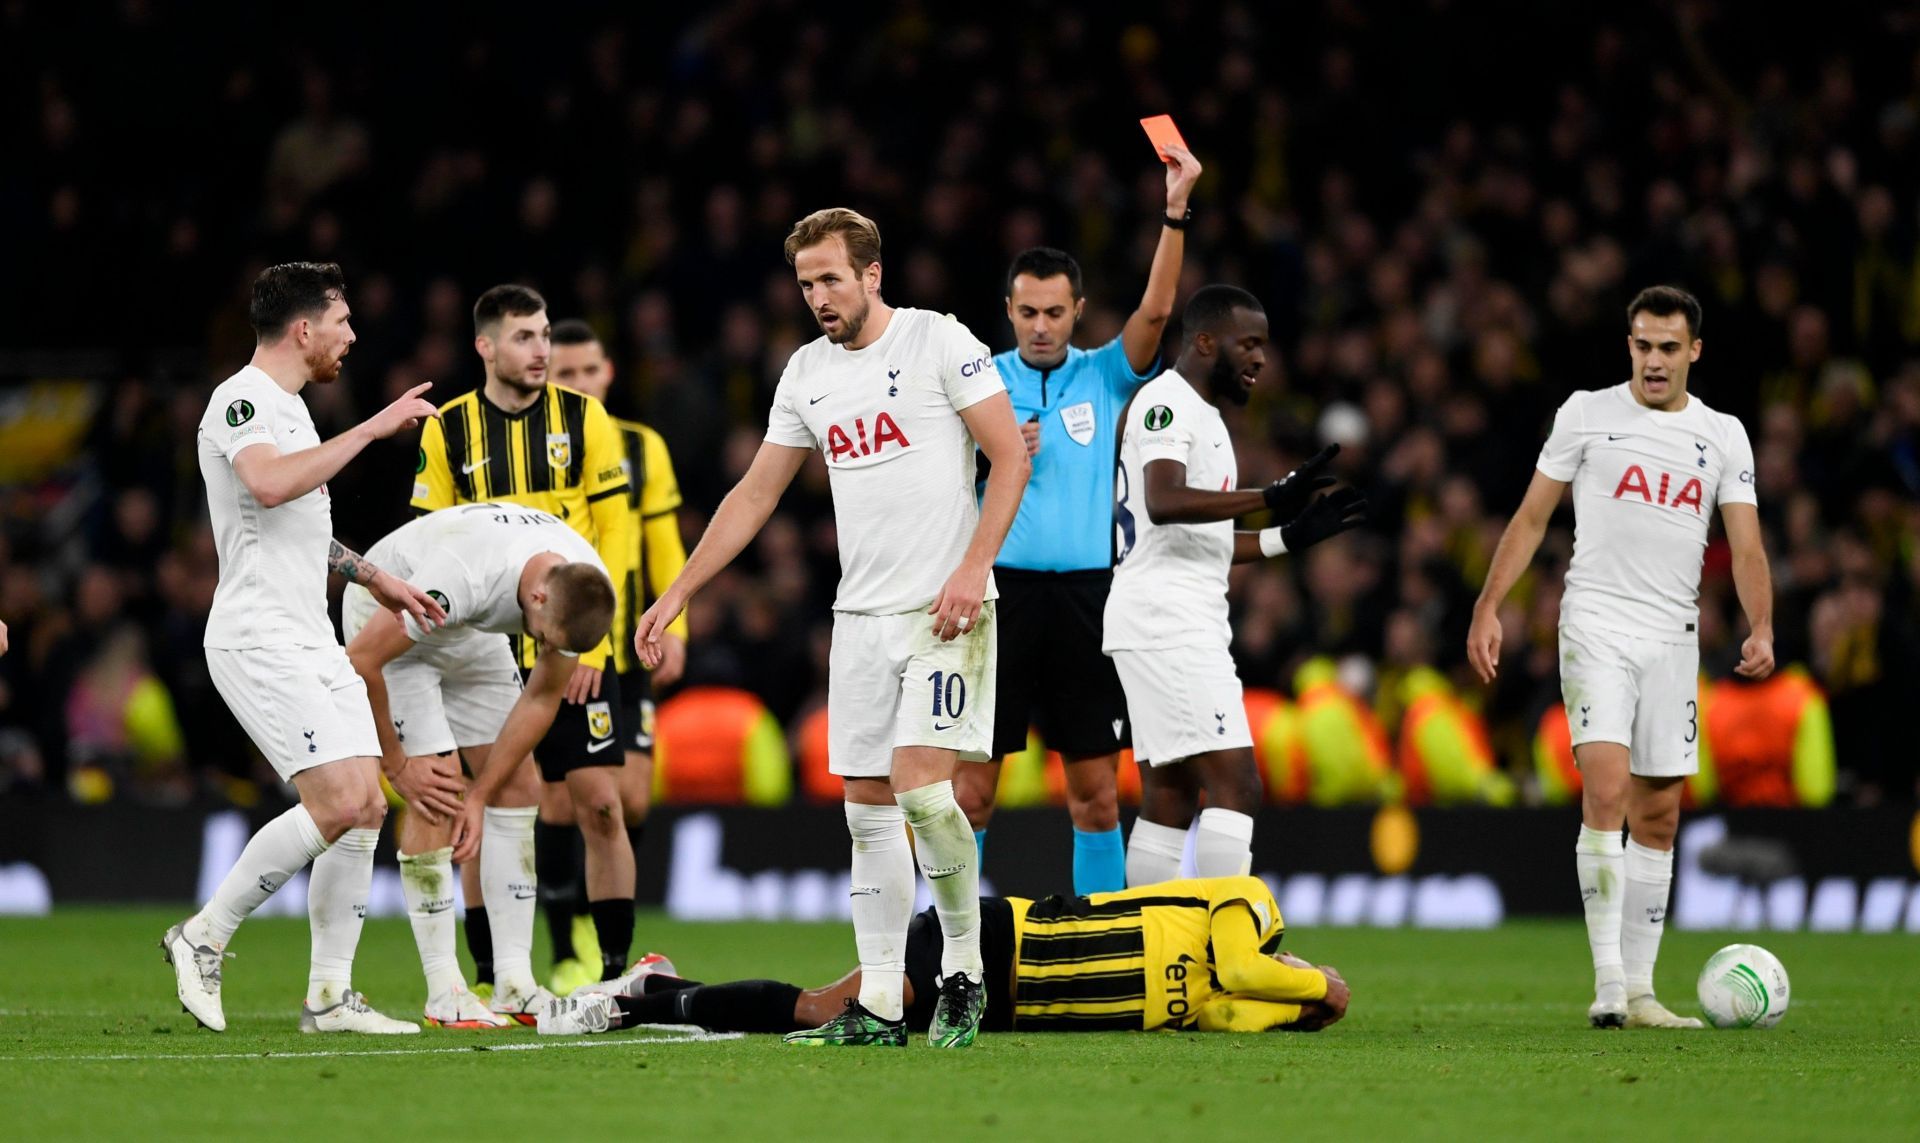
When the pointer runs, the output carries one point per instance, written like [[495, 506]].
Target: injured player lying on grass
[[1198, 955]]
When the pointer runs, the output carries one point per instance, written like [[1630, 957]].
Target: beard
[[323, 367], [516, 380], [1224, 381], [851, 322]]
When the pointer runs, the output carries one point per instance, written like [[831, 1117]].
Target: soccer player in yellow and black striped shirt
[[580, 362], [1199, 955], [518, 438]]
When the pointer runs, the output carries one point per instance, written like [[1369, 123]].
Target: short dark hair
[[581, 598], [1665, 301], [292, 290], [574, 331], [503, 302], [1210, 306], [1045, 262]]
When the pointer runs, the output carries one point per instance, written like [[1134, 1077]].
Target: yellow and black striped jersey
[[561, 454], [653, 499], [1136, 960]]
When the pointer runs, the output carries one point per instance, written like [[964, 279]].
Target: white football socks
[[1599, 861], [282, 848], [426, 881], [949, 858], [1644, 913], [882, 892], [1224, 845], [509, 887], [1153, 853], [336, 910]]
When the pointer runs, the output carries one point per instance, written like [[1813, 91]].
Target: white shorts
[[891, 683], [1639, 692], [451, 690], [302, 706], [1182, 701]]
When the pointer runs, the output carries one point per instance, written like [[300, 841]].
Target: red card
[[1161, 131]]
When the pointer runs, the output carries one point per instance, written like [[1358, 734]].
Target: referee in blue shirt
[[1057, 562]]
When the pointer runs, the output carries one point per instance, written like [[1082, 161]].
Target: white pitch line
[[681, 1034]]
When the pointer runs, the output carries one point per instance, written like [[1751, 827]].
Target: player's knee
[[600, 816], [1096, 813], [373, 810]]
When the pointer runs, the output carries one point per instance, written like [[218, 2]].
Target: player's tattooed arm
[[391, 592], [349, 564]]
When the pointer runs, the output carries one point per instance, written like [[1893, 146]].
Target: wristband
[[1271, 543], [1181, 223]]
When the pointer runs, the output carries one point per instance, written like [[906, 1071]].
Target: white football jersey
[[1645, 484], [469, 558], [1169, 580], [899, 458], [273, 561]]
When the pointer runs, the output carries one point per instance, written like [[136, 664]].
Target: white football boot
[[520, 1002], [576, 1015], [196, 977], [352, 1014], [463, 1011], [1609, 1006], [629, 982], [1646, 1012]]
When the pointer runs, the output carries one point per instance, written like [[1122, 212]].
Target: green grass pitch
[[1452, 1035]]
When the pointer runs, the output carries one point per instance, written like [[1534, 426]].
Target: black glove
[[1327, 516], [1288, 496]]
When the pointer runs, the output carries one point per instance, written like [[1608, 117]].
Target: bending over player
[[1194, 955], [498, 569]]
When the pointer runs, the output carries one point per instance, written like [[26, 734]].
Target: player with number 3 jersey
[[1648, 462]]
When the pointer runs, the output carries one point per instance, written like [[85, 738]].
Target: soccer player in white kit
[[1166, 622], [271, 649], [1647, 462], [895, 400], [497, 569]]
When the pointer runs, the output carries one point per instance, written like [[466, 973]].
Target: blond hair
[[856, 231], [580, 599]]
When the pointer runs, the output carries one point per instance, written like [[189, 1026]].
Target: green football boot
[[855, 1027], [956, 1016]]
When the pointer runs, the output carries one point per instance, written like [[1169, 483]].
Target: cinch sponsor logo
[[976, 366], [1634, 483]]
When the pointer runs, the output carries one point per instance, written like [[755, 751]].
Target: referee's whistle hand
[[1030, 432]]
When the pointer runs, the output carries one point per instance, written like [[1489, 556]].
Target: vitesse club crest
[[1159, 417], [559, 449], [599, 719], [239, 413]]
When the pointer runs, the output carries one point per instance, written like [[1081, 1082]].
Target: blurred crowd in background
[[1444, 207]]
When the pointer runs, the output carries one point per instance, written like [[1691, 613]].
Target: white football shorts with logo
[[1182, 701], [451, 690], [891, 683], [1642, 693], [302, 706]]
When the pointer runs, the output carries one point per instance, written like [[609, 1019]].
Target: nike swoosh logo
[[467, 469], [597, 747], [820, 398], [1621, 437], [524, 896], [429, 910], [948, 726]]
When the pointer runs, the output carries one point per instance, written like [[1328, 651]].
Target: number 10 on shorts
[[949, 695]]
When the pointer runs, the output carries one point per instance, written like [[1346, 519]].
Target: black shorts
[[636, 700], [1052, 673], [583, 735], [924, 945]]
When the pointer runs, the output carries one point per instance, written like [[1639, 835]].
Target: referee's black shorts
[[1051, 672], [925, 942], [592, 733]]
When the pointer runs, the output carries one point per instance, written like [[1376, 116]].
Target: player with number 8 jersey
[[894, 400]]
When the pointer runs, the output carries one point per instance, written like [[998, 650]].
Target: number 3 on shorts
[[949, 694]]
